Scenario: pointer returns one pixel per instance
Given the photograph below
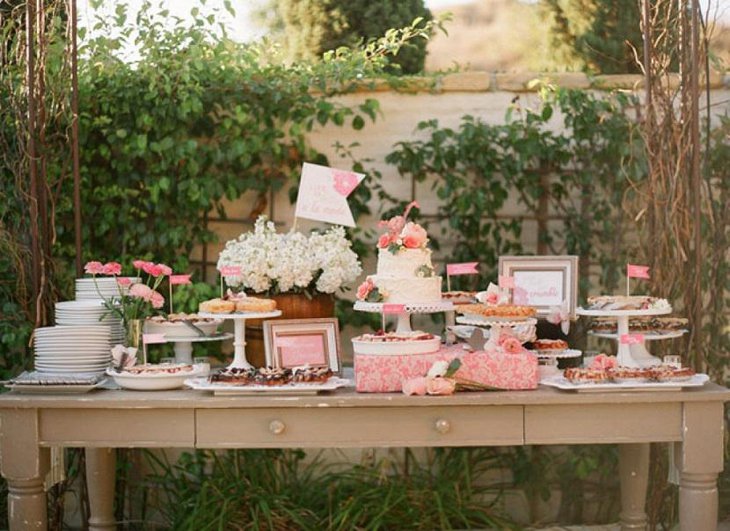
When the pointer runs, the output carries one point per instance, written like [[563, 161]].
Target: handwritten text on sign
[[538, 288], [323, 194], [631, 339]]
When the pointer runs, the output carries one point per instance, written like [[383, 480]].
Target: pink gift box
[[385, 374]]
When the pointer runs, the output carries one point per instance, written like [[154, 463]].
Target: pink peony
[[124, 281], [603, 362], [413, 235], [415, 386], [440, 386], [166, 270], [112, 268], [512, 345], [157, 300], [384, 241], [139, 264], [94, 268], [152, 269], [364, 289]]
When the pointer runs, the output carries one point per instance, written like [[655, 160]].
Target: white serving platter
[[559, 382], [224, 389], [155, 381]]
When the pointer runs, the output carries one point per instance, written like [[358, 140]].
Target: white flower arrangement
[[292, 262]]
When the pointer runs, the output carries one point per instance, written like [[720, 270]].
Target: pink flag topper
[[344, 181], [230, 271], [466, 268], [393, 308], [631, 339], [179, 279], [506, 281], [149, 339], [637, 271]]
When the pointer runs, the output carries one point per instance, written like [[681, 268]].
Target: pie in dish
[[254, 304], [162, 368], [217, 306], [395, 337], [549, 344], [505, 310], [579, 375], [238, 302]]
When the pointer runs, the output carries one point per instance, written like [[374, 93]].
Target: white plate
[[72, 361], [391, 348], [73, 370], [153, 382], [221, 388], [560, 382]]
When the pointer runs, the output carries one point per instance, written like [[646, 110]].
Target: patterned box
[[385, 374]]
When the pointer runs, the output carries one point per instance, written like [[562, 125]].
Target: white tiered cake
[[406, 276]]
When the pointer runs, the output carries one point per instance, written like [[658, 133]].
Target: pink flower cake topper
[[402, 233]]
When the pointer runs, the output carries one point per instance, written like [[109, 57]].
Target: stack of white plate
[[91, 313], [100, 288], [72, 349]]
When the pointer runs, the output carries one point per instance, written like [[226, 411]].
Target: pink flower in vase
[[124, 281], [512, 345], [157, 300], [140, 291], [166, 270], [139, 264], [415, 386], [152, 269], [440, 386], [413, 235], [112, 268], [384, 241], [94, 268]]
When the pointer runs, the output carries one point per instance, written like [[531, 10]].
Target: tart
[[629, 374], [672, 374], [633, 302], [234, 376], [272, 376], [549, 344], [391, 337], [506, 310], [311, 374], [162, 368], [578, 375], [217, 306]]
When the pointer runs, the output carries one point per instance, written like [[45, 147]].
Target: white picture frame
[[543, 281], [296, 342]]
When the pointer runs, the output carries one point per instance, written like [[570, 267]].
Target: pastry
[[633, 302], [629, 374], [672, 374], [272, 376], [254, 304], [578, 375], [506, 310], [390, 337], [549, 344], [459, 297], [163, 368], [311, 374], [217, 306], [234, 376], [641, 324]]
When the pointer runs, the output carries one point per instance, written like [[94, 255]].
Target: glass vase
[[134, 333]]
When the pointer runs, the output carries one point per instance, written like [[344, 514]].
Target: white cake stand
[[239, 333], [629, 355], [183, 346], [404, 317]]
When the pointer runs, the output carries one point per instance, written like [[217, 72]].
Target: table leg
[[24, 466], [634, 475], [699, 458], [100, 478]]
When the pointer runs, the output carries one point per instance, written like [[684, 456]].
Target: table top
[[346, 398]]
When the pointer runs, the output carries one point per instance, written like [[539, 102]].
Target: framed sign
[[296, 342], [542, 281]]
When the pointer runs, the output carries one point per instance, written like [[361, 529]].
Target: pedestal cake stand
[[239, 333], [634, 355], [183, 346], [404, 317]]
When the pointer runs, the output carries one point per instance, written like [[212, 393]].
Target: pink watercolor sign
[[149, 339], [323, 194], [637, 271], [393, 308], [299, 350], [631, 339], [466, 268]]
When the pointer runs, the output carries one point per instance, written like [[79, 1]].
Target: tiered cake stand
[[183, 346], [404, 317], [631, 355], [239, 333], [522, 328]]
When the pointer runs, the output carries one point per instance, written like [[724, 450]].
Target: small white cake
[[406, 276]]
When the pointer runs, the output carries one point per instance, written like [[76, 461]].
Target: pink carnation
[[415, 386], [413, 235], [384, 241], [139, 264], [141, 291], [440, 386], [166, 270], [157, 300], [94, 268], [512, 345], [152, 269], [112, 268], [124, 281]]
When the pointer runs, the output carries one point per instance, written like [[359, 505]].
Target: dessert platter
[[622, 309], [239, 307], [303, 380], [659, 378]]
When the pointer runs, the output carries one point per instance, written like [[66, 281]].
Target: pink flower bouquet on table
[[136, 300], [442, 379]]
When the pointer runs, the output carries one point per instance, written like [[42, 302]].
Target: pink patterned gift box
[[385, 374]]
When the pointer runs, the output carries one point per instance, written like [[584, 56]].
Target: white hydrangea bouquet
[[271, 262]]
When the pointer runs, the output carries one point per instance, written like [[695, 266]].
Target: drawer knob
[[277, 427], [442, 426]]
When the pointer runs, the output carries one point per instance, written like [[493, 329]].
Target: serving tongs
[[189, 324]]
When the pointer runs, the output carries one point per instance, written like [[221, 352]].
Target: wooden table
[[102, 420]]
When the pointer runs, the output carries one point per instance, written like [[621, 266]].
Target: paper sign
[[230, 271], [467, 268], [179, 279], [506, 282], [393, 308], [637, 271], [631, 339], [538, 288], [149, 339], [323, 194], [302, 350]]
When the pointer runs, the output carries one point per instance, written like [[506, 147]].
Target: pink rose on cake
[[384, 241], [414, 236], [368, 291]]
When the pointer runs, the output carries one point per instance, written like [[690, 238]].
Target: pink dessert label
[[637, 271], [631, 339], [466, 268], [230, 271], [393, 308], [179, 279]]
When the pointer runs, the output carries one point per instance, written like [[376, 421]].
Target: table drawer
[[359, 427], [148, 428], [603, 423]]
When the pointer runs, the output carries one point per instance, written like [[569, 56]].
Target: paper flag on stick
[[467, 268], [637, 271], [230, 271], [323, 194], [179, 279]]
